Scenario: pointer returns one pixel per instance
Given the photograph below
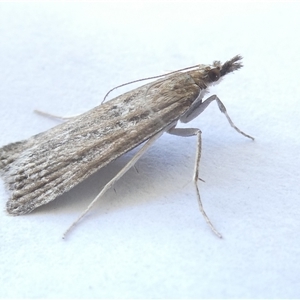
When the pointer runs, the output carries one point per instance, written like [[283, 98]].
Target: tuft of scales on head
[[212, 73]]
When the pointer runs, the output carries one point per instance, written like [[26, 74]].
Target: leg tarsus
[[198, 107], [44, 114], [186, 132], [129, 165]]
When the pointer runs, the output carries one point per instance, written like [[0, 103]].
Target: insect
[[46, 165]]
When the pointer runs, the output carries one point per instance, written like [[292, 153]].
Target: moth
[[39, 169]]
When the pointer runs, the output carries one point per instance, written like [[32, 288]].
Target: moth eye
[[214, 74]]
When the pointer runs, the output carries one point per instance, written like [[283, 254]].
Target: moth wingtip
[[17, 208]]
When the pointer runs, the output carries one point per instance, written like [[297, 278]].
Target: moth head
[[218, 70]]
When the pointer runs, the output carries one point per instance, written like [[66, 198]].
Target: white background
[[147, 238]]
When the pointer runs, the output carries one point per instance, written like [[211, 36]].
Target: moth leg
[[44, 114], [198, 107], [129, 165], [186, 132]]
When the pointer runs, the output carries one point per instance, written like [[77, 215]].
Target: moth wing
[[48, 164]]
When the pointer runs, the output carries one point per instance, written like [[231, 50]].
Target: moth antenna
[[147, 78]]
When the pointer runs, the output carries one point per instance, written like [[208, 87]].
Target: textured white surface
[[147, 238]]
